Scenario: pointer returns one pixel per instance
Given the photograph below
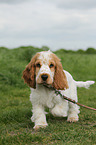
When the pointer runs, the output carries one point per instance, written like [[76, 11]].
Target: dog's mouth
[[46, 85], [43, 83], [44, 80]]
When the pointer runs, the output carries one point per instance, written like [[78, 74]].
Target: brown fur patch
[[29, 72], [60, 80]]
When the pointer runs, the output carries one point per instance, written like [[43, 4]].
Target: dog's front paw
[[36, 127], [58, 111], [73, 118]]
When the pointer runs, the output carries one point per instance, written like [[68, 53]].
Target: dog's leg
[[73, 108], [73, 113], [61, 109], [39, 117]]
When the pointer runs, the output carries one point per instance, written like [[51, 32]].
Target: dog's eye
[[51, 65], [38, 65]]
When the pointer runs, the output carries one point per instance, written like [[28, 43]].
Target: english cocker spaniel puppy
[[46, 68]]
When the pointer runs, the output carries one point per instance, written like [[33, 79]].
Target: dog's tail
[[84, 84]]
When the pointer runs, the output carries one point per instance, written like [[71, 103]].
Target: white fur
[[42, 97], [45, 58]]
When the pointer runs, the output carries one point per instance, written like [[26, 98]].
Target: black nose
[[44, 77]]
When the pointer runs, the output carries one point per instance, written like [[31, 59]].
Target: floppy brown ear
[[60, 80], [29, 73]]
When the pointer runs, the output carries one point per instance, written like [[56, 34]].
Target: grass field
[[16, 127]]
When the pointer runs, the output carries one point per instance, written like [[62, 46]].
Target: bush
[[91, 51], [80, 51]]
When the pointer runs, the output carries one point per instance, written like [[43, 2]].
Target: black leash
[[68, 99]]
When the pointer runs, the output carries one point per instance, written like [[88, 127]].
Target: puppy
[[46, 68]]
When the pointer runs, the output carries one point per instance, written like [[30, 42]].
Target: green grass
[[16, 127]]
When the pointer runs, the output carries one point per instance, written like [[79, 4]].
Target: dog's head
[[45, 68]]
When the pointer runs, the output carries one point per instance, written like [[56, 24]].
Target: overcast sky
[[69, 24]]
